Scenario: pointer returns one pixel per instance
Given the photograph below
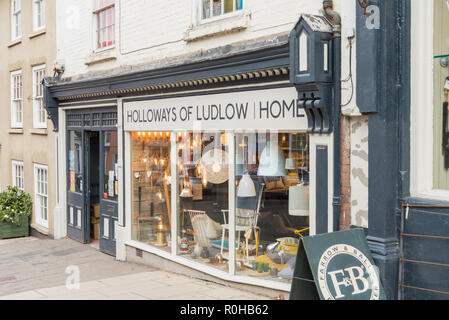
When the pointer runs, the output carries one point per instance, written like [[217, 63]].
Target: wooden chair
[[245, 219], [199, 220]]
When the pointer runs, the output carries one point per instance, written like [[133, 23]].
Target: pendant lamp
[[298, 200], [272, 161], [246, 187]]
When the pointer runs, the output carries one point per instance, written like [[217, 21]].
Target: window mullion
[[231, 201], [174, 191]]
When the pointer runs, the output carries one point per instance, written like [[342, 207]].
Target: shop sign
[[277, 109], [336, 266]]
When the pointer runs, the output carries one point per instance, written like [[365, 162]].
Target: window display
[[203, 176], [151, 193], [271, 197]]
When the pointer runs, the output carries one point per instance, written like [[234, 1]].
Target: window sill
[[39, 131], [41, 229], [434, 194], [15, 131], [101, 56], [14, 42], [37, 33], [221, 25]]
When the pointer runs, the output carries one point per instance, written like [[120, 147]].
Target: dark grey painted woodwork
[[322, 189]]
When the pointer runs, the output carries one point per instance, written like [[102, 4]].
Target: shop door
[[109, 191], [77, 204]]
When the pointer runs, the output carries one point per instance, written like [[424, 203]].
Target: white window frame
[[422, 110], [41, 194], [18, 180], [16, 19], [16, 99], [222, 15], [39, 112], [97, 8], [38, 15]]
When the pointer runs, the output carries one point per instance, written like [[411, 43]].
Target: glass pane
[[228, 6], [203, 195], [206, 9], [272, 199], [75, 162], [151, 191], [111, 190], [216, 7]]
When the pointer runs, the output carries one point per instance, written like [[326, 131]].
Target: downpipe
[[335, 20]]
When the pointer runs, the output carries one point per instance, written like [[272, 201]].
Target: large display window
[[266, 173]]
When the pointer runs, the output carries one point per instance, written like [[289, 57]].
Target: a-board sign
[[336, 266]]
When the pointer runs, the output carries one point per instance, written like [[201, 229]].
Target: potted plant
[[15, 210]]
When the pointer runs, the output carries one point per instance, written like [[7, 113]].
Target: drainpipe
[[335, 20]]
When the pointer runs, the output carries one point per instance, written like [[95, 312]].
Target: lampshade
[[186, 193], [291, 164], [215, 165], [272, 161], [246, 187], [298, 200]]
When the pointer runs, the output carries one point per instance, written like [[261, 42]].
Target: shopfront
[[221, 179]]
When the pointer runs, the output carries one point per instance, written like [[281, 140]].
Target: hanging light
[[246, 187], [272, 161]]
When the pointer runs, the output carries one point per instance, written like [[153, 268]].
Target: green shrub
[[14, 203]]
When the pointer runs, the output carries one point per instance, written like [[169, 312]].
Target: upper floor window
[[213, 8], [38, 14], [40, 115], [16, 19], [16, 99], [104, 21]]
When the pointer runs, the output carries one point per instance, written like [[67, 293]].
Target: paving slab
[[37, 269]]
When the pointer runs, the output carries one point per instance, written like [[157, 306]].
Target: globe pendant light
[[272, 161], [246, 187]]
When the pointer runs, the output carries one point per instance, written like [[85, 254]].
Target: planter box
[[10, 230]]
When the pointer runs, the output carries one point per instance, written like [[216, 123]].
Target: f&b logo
[[359, 280]]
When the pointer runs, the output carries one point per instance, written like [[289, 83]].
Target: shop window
[[38, 14], [75, 161], [16, 99], [16, 19], [17, 175], [203, 177], [272, 202], [214, 8], [40, 115], [110, 190], [151, 191], [104, 21], [41, 194], [271, 190]]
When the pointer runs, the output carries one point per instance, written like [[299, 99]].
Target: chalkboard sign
[[336, 266]]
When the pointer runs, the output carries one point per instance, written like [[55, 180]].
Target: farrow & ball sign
[[336, 266]]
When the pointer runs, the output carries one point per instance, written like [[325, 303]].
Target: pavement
[[44, 269]]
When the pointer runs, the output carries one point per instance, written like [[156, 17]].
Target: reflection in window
[[272, 198], [110, 166], [203, 176], [75, 162], [151, 192]]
